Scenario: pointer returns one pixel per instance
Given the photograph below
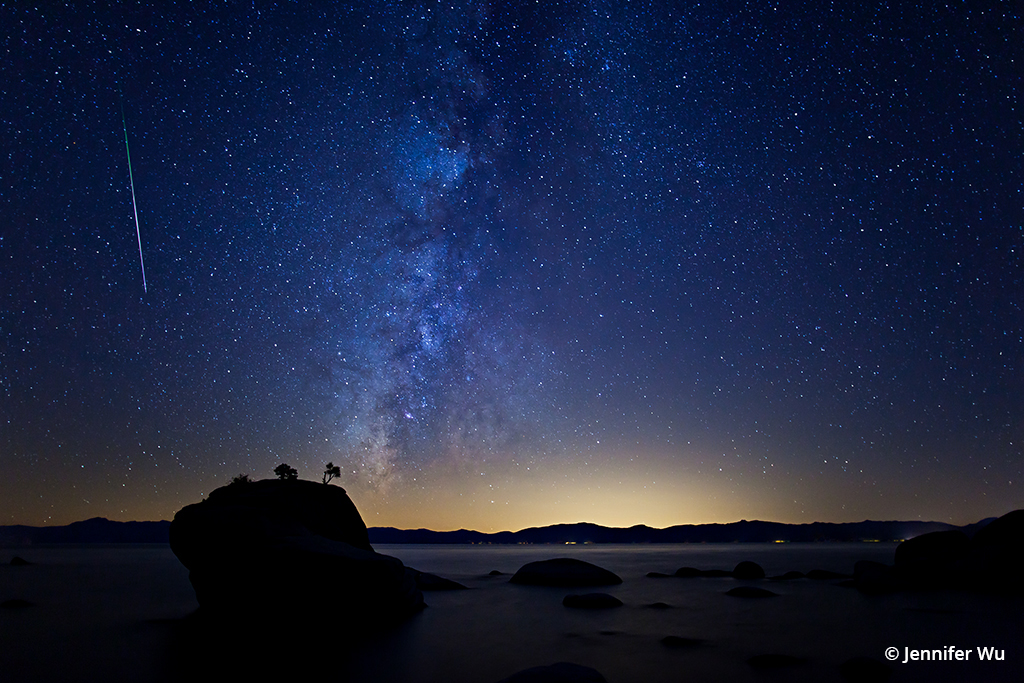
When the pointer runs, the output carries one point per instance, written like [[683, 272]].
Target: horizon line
[[547, 526]]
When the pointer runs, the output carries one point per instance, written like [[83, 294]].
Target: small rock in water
[[658, 575], [562, 672], [716, 573], [825, 575], [750, 592], [592, 601], [564, 571], [494, 572], [692, 572], [19, 561], [748, 570], [789, 576], [659, 605]]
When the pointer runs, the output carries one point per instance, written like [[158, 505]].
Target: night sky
[[515, 263]]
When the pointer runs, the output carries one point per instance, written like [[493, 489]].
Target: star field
[[514, 264]]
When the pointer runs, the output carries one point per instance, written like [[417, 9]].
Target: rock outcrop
[[996, 553], [296, 547], [991, 561], [564, 571], [933, 560]]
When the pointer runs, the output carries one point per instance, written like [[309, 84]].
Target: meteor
[[135, 208]]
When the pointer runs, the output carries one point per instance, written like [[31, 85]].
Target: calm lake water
[[109, 614]]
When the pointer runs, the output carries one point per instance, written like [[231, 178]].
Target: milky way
[[516, 264]]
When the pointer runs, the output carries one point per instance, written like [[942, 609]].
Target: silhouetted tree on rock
[[331, 471], [283, 471]]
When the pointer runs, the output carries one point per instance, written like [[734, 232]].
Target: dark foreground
[[129, 614]]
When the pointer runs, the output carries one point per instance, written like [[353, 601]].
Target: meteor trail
[[135, 208]]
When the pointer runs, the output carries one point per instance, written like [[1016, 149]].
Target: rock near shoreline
[[990, 561], [564, 571]]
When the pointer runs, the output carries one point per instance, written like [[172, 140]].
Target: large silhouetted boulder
[[269, 547], [996, 554], [991, 561], [933, 557], [564, 571]]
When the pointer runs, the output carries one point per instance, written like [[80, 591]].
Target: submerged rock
[[260, 549], [748, 570], [789, 576], [825, 575], [426, 581], [692, 572], [562, 672], [592, 601], [750, 592], [688, 572], [564, 571]]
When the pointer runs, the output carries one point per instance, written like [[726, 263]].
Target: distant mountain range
[[95, 530], [735, 532], [100, 530]]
